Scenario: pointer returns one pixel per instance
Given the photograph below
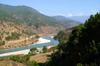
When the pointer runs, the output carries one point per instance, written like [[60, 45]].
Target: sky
[[66, 8]]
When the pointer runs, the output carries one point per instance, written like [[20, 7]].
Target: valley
[[17, 30], [49, 33]]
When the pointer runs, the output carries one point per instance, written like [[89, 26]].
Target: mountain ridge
[[69, 22], [20, 26], [81, 19], [28, 16]]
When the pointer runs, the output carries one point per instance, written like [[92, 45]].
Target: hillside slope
[[28, 16], [21, 25], [67, 21]]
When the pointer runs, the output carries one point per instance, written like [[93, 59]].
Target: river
[[53, 42]]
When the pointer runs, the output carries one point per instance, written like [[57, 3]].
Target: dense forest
[[83, 46]]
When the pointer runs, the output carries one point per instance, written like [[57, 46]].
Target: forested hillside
[[20, 26], [83, 46], [25, 14], [28, 16]]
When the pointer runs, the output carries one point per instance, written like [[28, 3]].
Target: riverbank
[[21, 42], [26, 51], [42, 40]]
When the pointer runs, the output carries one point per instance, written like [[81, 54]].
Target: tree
[[37, 36], [32, 63], [13, 36], [53, 48], [18, 58], [25, 58], [61, 52], [2, 43], [83, 46], [34, 50], [0, 38], [44, 49]]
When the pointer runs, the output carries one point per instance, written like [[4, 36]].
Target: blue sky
[[67, 8]]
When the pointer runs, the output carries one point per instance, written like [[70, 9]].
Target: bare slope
[[20, 25]]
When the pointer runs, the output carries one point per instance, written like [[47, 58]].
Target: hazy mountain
[[79, 18], [69, 22], [61, 17]]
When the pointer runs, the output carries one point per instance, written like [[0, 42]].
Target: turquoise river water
[[53, 42]]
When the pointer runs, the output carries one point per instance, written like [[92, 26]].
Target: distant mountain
[[80, 18], [28, 16], [61, 17], [67, 21]]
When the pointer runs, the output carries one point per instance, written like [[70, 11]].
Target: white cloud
[[70, 15], [59, 15]]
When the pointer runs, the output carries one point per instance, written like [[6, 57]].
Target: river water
[[53, 42]]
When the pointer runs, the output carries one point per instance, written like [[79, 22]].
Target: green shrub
[[33, 49], [13, 36], [44, 49], [37, 36], [0, 38], [32, 63], [52, 48], [2, 43]]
